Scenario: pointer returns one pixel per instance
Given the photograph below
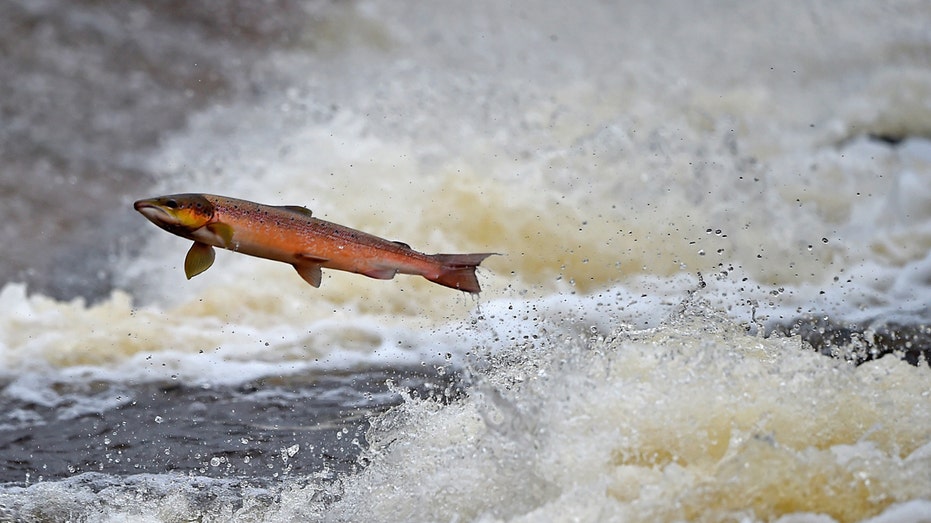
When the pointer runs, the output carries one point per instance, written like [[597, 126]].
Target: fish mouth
[[153, 212]]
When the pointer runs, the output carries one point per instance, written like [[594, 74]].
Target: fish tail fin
[[457, 271]]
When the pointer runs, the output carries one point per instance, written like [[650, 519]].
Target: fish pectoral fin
[[310, 272], [223, 231], [199, 258]]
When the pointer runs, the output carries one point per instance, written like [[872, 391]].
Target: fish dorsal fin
[[298, 209], [310, 272], [402, 244], [199, 258], [224, 231]]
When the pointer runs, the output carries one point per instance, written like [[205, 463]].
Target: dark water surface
[[261, 430]]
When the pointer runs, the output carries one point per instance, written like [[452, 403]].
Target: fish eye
[[171, 204]]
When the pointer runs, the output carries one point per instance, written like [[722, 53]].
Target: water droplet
[[158, 419]]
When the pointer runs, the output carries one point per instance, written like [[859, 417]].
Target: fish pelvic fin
[[310, 272], [199, 258], [457, 271]]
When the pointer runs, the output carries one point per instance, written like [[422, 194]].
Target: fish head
[[177, 213]]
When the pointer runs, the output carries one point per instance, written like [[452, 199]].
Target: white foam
[[917, 511], [727, 424]]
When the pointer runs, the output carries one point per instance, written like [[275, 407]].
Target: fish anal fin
[[298, 209], [310, 272], [222, 231], [199, 258], [380, 273]]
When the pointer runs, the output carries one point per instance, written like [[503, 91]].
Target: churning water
[[712, 303]]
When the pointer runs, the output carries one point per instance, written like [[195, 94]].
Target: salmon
[[291, 234]]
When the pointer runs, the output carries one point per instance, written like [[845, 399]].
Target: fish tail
[[458, 270]]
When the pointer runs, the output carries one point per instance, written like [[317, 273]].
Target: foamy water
[[667, 185]]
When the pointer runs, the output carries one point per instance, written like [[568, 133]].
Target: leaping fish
[[291, 234]]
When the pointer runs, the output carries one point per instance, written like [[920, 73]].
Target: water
[[712, 303]]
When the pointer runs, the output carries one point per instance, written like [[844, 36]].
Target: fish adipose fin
[[458, 270], [199, 258]]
